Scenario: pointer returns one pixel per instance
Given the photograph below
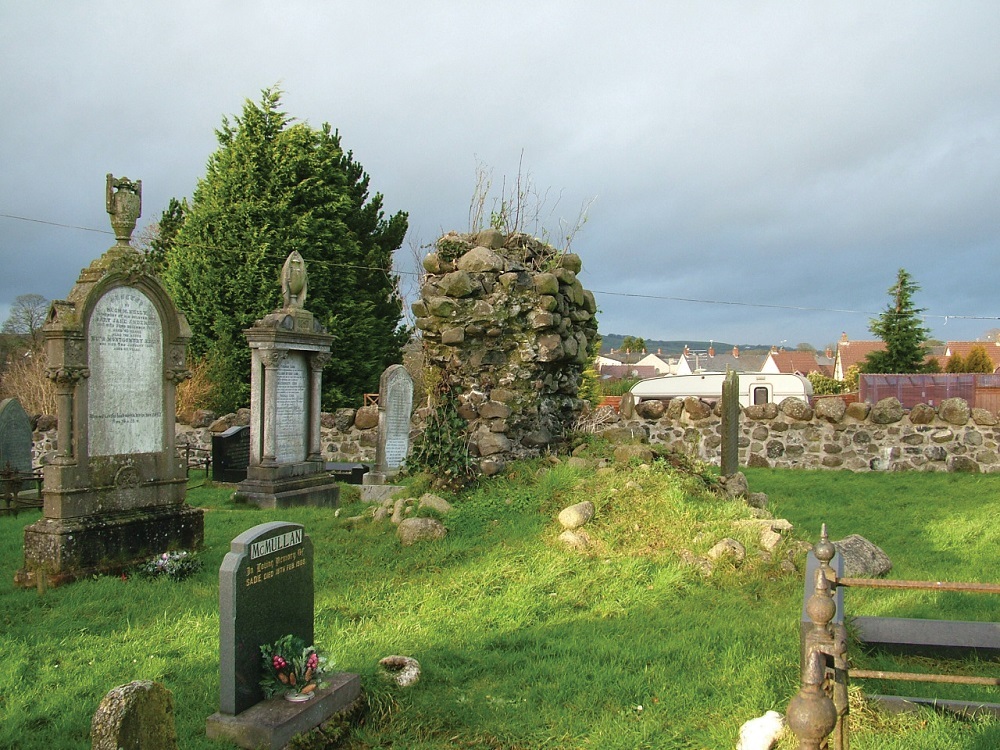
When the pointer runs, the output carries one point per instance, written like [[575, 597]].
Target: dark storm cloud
[[782, 154]]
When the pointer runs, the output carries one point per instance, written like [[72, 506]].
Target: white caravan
[[755, 387]]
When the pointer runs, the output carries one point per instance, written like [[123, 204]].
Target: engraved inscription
[[287, 553], [125, 390], [290, 410]]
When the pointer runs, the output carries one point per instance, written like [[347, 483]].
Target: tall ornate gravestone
[[15, 437], [265, 593], [114, 492], [288, 350]]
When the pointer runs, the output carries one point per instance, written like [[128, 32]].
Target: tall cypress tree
[[273, 186], [901, 329]]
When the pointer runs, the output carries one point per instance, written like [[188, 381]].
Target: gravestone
[[137, 716], [266, 592], [15, 437], [288, 350], [395, 403], [113, 495], [231, 454]]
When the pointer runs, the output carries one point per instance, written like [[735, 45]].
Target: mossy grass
[[523, 643]]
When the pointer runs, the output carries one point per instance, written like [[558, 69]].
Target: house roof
[[626, 371], [795, 361], [720, 362], [851, 353], [652, 360]]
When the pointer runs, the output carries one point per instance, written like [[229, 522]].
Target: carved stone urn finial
[[124, 203], [293, 280]]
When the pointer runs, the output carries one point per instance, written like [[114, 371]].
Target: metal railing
[[12, 484], [821, 707]]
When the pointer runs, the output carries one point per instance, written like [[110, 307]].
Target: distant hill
[[611, 341]]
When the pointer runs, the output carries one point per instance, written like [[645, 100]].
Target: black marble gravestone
[[265, 592], [231, 454]]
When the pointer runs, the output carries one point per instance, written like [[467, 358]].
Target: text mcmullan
[[275, 543]]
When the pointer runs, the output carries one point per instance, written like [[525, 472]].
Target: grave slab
[[271, 724]]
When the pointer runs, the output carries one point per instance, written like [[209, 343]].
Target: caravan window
[[760, 395]]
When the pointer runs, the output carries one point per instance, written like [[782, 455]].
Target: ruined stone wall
[[830, 435], [506, 321]]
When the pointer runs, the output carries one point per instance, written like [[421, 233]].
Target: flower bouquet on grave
[[291, 668], [173, 565]]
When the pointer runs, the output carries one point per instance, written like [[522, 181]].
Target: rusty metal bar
[[875, 583], [953, 679]]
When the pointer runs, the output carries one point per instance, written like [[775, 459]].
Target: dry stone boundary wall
[[828, 435]]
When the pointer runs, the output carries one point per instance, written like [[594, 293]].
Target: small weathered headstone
[[231, 454], [730, 423], [136, 716], [15, 437], [395, 404]]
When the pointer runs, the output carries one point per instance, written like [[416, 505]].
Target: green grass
[[523, 643]]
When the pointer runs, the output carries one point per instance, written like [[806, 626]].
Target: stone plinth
[[271, 724]]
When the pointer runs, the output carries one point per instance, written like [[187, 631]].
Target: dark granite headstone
[[15, 437], [265, 592], [349, 473], [231, 454]]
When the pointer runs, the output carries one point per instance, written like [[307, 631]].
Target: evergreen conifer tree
[[275, 185], [902, 331], [978, 360]]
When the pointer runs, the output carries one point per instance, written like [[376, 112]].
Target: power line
[[664, 298], [786, 307], [56, 224]]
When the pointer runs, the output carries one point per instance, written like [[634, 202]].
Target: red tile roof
[[796, 361]]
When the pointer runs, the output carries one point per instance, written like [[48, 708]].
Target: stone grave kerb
[[288, 351], [127, 481]]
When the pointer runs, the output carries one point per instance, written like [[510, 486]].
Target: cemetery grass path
[[523, 643]]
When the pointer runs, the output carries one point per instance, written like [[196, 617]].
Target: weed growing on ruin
[[443, 450]]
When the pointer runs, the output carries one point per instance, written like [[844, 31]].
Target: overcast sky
[[780, 156]]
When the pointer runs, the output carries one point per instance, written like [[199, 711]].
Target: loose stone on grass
[[862, 558], [575, 539], [577, 515], [413, 530], [728, 548], [403, 670], [761, 733], [435, 503]]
